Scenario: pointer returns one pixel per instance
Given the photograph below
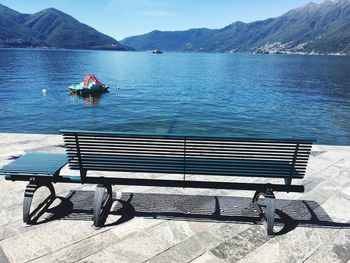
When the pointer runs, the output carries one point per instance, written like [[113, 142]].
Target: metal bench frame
[[285, 159]]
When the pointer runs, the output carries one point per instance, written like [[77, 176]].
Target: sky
[[123, 18]]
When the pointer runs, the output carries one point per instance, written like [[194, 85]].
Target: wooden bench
[[176, 155]]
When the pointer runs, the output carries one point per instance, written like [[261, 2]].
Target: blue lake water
[[228, 94]]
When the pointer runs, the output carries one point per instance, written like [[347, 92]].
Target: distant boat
[[157, 51]]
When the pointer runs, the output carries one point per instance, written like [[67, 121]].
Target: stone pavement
[[149, 224]]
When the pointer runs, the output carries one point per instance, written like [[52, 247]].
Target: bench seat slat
[[180, 171], [222, 147], [199, 158], [192, 161], [188, 166], [176, 136], [179, 153], [94, 141], [246, 162], [280, 166], [204, 162], [290, 154]]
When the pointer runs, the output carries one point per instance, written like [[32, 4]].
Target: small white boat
[[157, 51]]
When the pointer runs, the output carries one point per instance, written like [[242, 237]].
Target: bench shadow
[[71, 207], [78, 205]]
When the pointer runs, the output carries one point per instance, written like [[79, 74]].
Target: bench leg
[[270, 203], [102, 203], [30, 217]]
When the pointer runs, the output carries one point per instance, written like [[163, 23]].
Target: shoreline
[[279, 53]]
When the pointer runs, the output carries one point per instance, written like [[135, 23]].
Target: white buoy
[[43, 91]]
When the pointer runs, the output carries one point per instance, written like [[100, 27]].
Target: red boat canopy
[[93, 78]]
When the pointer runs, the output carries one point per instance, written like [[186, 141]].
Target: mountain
[[166, 40], [50, 28], [314, 28]]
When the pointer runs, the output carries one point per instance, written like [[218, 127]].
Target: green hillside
[[313, 28], [50, 28]]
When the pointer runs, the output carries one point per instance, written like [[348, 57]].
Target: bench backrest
[[182, 154]]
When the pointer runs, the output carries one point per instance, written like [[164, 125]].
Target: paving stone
[[240, 245], [327, 188], [197, 245], [337, 207], [150, 242], [346, 191], [81, 249], [135, 225], [337, 250], [295, 246], [313, 180], [137, 248], [173, 232], [208, 257], [3, 258], [96, 243], [45, 239], [187, 250]]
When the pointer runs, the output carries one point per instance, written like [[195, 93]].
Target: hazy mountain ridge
[[165, 40], [50, 28], [313, 28]]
